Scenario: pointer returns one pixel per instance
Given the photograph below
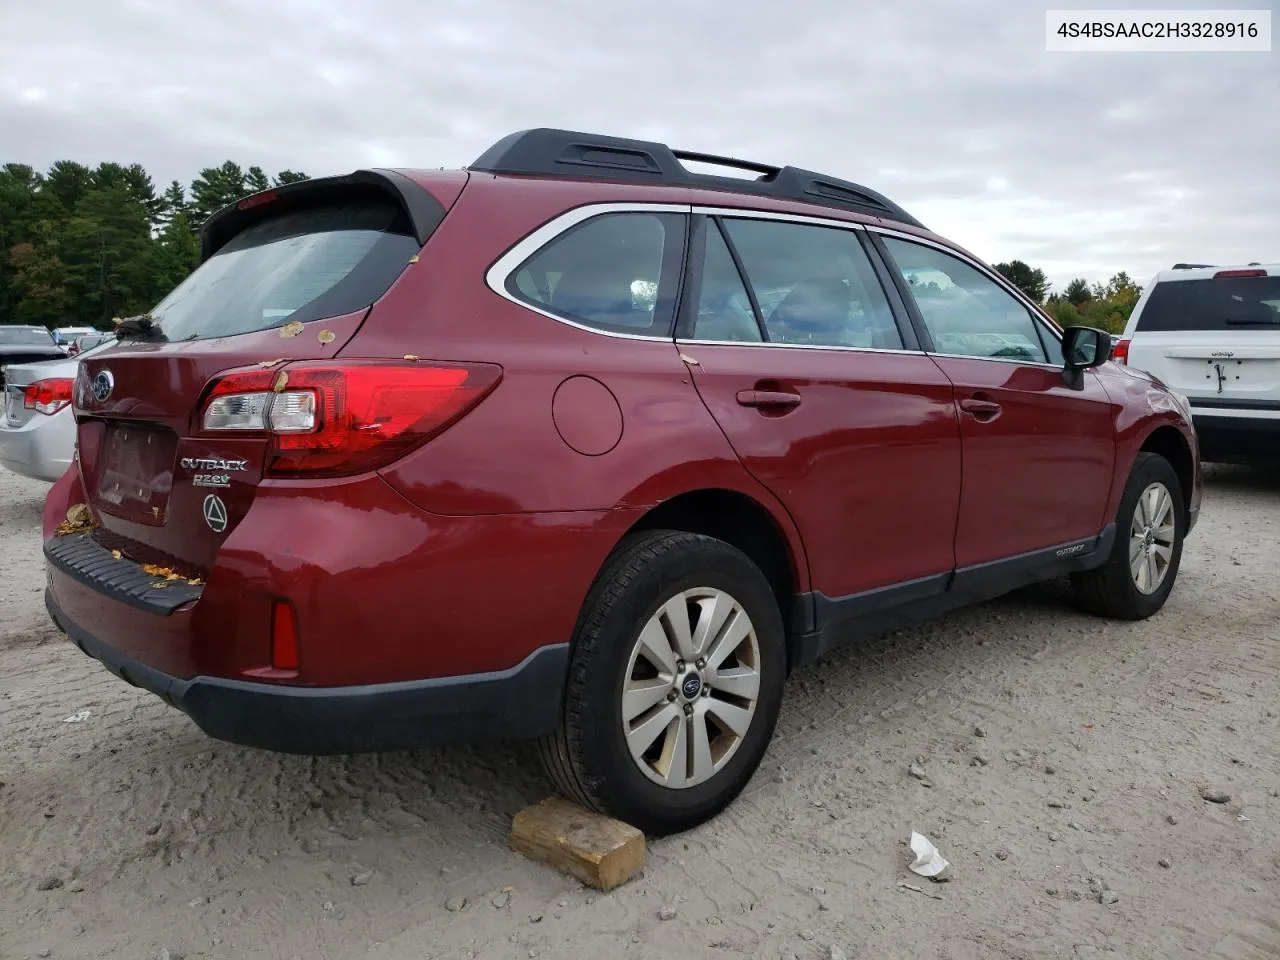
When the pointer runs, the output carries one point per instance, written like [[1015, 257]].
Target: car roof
[[1202, 271]]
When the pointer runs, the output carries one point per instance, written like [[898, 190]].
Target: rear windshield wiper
[[1247, 322]]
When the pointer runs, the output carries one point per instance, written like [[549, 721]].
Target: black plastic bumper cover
[[518, 703], [1237, 436]]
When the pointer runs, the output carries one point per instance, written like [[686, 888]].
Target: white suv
[[1213, 334]]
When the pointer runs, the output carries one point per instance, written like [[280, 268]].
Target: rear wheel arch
[[740, 521]]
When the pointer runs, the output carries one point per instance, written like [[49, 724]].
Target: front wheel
[[1136, 580], [674, 686]]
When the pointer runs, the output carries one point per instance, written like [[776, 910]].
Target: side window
[[724, 307], [814, 285], [615, 272], [966, 313]]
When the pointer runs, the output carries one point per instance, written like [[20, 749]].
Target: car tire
[[1119, 589], [713, 735]]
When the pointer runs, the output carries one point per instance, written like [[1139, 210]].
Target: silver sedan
[[38, 431]]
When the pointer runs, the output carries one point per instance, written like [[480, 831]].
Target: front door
[[1039, 453], [805, 369]]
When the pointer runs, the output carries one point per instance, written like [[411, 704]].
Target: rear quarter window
[[1225, 303], [616, 272]]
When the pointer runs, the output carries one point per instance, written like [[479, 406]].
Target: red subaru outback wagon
[[579, 445]]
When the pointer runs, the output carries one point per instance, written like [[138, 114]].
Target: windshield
[[26, 336], [320, 261], [1225, 303]]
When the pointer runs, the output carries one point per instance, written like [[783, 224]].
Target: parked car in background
[[583, 446], [87, 342], [25, 345], [1213, 334], [65, 336], [38, 430]]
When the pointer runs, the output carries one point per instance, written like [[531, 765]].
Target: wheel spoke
[[712, 614], [1153, 573], [1151, 502], [1164, 553], [674, 765], [1136, 553], [675, 615], [730, 639], [1164, 510], [741, 682], [736, 719], [656, 647], [640, 696], [641, 738], [701, 765]]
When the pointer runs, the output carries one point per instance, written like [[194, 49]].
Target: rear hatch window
[[1218, 304], [306, 264]]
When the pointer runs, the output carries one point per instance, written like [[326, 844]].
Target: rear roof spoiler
[[423, 211]]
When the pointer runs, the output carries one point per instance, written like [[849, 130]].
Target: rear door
[[286, 276], [1214, 337], [1038, 454], [801, 362]]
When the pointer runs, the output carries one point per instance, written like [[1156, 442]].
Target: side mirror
[[1085, 347]]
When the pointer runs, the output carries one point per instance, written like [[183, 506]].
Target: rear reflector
[[284, 637], [330, 418], [47, 396], [1223, 274], [1120, 351]]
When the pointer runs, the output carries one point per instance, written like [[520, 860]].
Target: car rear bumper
[[40, 449], [1235, 437], [518, 703]]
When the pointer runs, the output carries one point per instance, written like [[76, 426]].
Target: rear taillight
[[337, 419], [1223, 274], [47, 396], [1120, 351]]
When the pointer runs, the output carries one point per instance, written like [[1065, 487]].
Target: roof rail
[[1193, 266], [548, 152]]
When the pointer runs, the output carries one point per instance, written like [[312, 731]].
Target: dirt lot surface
[[1065, 760]]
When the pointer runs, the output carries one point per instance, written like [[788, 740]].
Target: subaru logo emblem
[[215, 513], [691, 686], [103, 384]]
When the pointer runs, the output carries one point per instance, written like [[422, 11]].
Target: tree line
[[1103, 305], [80, 245]]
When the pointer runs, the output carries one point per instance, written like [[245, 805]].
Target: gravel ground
[[1065, 761]]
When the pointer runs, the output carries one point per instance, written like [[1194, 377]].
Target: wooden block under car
[[598, 850]]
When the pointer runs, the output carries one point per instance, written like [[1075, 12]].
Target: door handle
[[768, 398], [980, 409]]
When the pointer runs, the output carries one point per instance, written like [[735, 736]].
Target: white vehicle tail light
[[327, 418], [1120, 351], [47, 396]]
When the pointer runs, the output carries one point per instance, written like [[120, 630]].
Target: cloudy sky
[[1081, 164]]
